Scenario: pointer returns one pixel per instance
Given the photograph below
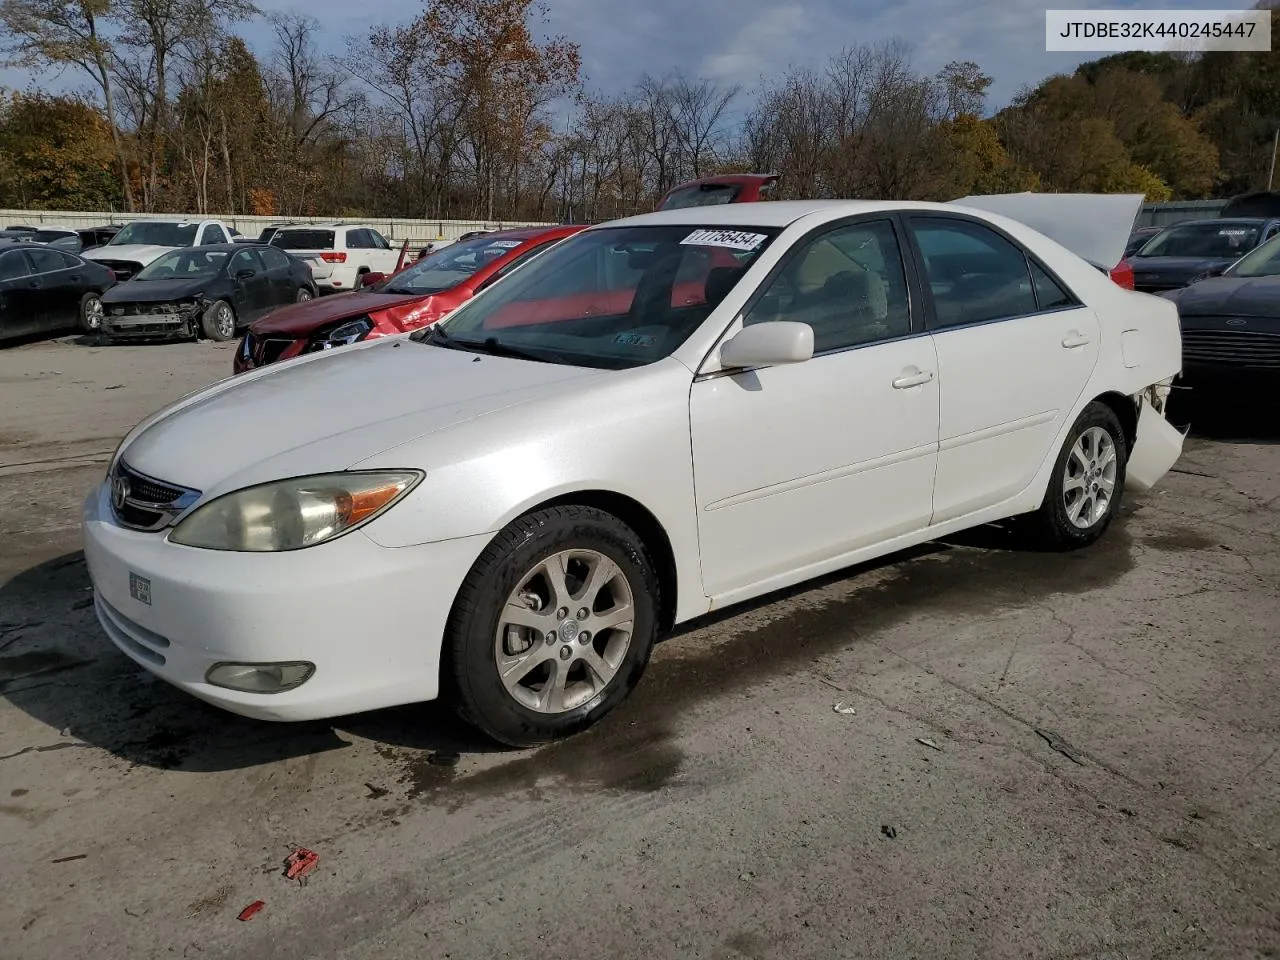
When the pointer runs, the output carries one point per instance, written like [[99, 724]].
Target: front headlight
[[292, 514], [342, 335]]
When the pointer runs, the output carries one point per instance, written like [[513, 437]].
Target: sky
[[745, 41]]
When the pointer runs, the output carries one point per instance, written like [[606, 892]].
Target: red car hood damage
[[300, 319]]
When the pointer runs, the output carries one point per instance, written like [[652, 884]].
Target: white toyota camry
[[657, 417]]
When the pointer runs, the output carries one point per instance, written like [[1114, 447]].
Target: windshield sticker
[[729, 239], [1234, 233], [634, 340], [504, 244]]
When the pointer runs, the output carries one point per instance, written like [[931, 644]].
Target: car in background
[[44, 290], [349, 250], [1138, 239], [92, 237], [140, 243], [508, 513], [21, 228], [416, 296], [1231, 325], [1187, 251], [64, 238], [711, 191], [209, 291]]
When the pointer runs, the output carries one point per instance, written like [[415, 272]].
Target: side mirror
[[767, 344], [372, 277], [246, 274]]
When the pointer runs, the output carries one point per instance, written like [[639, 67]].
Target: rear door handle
[[1075, 339], [912, 379]]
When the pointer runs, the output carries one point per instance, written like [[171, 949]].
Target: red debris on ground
[[248, 912], [301, 862]]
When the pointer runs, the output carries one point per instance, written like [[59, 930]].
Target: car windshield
[[611, 298], [184, 265], [156, 234], [48, 236], [701, 195], [1262, 262], [452, 265], [303, 239], [1209, 239], [65, 242]]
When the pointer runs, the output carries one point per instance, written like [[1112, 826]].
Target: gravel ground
[[1047, 756]]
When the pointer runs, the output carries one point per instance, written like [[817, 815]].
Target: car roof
[[212, 247], [772, 213], [531, 233]]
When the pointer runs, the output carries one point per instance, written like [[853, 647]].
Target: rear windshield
[[702, 195], [1205, 239], [303, 239], [46, 236]]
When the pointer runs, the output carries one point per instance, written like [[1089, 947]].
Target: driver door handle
[[1075, 339], [912, 378]]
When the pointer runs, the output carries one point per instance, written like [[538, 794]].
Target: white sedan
[[658, 417]]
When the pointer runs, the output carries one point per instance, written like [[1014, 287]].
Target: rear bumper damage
[[1159, 443]]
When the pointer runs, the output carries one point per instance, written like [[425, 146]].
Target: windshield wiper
[[492, 346]]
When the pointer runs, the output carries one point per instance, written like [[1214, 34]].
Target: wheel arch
[[646, 526], [1126, 412]]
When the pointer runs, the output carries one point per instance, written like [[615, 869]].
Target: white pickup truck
[[139, 243]]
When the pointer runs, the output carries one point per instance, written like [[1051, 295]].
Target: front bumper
[[156, 326], [370, 618]]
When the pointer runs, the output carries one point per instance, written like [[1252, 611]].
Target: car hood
[[142, 253], [1230, 297], [1094, 226], [331, 410], [299, 319], [156, 291]]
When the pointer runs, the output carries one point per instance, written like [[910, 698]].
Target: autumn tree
[[50, 34], [58, 154]]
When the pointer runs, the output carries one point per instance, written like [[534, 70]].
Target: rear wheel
[[303, 295], [553, 626], [91, 313], [1087, 484], [219, 321]]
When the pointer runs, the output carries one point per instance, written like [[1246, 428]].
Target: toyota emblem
[[119, 492]]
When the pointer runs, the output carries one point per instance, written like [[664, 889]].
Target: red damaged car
[[414, 297]]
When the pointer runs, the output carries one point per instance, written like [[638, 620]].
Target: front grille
[[144, 503], [1242, 348], [145, 309]]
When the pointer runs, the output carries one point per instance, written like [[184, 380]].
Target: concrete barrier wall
[[397, 229]]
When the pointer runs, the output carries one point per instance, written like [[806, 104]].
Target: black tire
[[90, 319], [303, 295], [471, 670], [213, 323], [1051, 527]]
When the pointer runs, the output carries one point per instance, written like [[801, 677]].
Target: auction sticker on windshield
[[730, 239], [504, 244]]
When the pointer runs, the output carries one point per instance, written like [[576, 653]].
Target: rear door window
[[974, 274], [46, 260], [303, 239], [14, 265]]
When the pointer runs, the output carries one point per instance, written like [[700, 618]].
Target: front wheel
[[91, 313], [1087, 483], [553, 626], [219, 321]]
